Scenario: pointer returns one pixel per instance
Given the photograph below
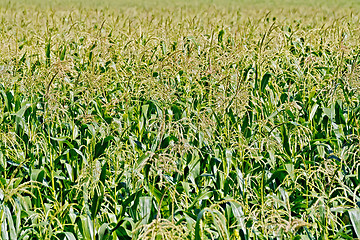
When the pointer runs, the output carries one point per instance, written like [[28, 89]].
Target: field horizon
[[123, 4]]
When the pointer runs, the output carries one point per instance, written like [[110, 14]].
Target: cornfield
[[179, 120]]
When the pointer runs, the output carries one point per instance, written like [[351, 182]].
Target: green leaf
[[101, 146], [85, 226], [103, 173], [197, 225], [145, 206], [220, 224], [20, 113], [47, 52], [163, 47], [290, 170], [265, 81], [285, 139], [339, 116], [143, 158], [70, 172], [228, 157], [121, 233], [62, 53], [355, 220], [69, 236], [7, 227], [23, 58], [97, 200], [220, 36], [37, 175], [202, 196], [313, 111], [103, 232], [239, 215], [156, 193]]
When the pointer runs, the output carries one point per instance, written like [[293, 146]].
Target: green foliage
[[212, 122]]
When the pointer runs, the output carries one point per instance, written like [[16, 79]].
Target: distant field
[[114, 4], [179, 119]]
